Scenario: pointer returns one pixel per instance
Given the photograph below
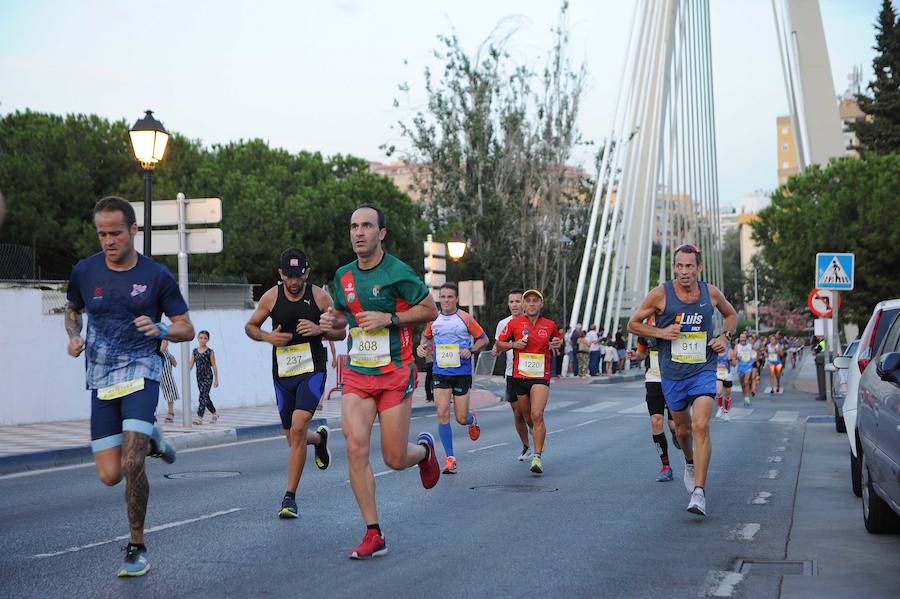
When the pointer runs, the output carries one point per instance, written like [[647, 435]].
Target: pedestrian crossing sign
[[834, 271]]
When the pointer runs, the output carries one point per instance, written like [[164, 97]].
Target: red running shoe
[[429, 469], [474, 429], [372, 544]]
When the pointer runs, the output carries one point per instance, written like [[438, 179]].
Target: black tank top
[[287, 314]]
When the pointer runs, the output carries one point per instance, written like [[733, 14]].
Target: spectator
[[620, 350], [573, 340], [610, 358], [207, 376], [167, 380], [592, 339]]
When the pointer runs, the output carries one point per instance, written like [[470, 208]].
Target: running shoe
[[372, 544], [665, 475], [449, 465], [689, 481], [474, 429], [725, 416], [526, 453], [323, 454], [429, 470], [536, 466], [135, 563], [163, 449], [719, 412], [288, 509], [697, 504], [779, 391], [746, 402]]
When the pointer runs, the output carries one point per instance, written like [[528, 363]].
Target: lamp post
[[566, 249], [148, 141], [456, 247]]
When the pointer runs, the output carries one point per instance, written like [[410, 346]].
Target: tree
[[849, 206], [880, 131], [732, 277], [496, 145]]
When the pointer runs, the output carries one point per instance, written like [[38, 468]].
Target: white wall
[[39, 382]]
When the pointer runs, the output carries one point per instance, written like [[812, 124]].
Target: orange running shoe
[[474, 429], [450, 465]]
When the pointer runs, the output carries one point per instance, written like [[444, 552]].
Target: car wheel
[[855, 478], [877, 514]]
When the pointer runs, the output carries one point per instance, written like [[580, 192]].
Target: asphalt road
[[595, 524]]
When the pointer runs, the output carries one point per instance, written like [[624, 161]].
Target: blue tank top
[[690, 353]]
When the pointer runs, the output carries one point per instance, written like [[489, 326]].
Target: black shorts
[[511, 396], [656, 401], [523, 386], [726, 384], [460, 384], [301, 392]]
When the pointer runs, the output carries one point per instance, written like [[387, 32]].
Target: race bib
[[121, 389], [293, 360], [773, 356], [370, 350], [746, 355], [689, 348], [721, 372], [654, 363], [531, 365], [447, 355]]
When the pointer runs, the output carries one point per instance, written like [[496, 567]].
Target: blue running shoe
[[665, 475], [135, 563], [160, 448]]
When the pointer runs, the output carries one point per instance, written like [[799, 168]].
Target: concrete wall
[[39, 382]]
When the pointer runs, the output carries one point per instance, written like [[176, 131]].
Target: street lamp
[[456, 247], [566, 247], [148, 140]]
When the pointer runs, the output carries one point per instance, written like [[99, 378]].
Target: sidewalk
[[50, 444]]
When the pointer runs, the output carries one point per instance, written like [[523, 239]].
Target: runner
[[758, 360], [656, 403], [687, 358], [299, 363], [125, 295], [532, 338], [514, 301], [775, 360], [745, 355], [382, 299], [724, 382], [453, 336]]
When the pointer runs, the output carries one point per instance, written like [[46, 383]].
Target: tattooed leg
[[135, 447]]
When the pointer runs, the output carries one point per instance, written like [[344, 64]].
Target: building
[[788, 158], [403, 176], [728, 222], [850, 112], [748, 207]]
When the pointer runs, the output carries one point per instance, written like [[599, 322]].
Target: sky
[[322, 75]]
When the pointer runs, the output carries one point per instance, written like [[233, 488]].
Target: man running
[[125, 295], [656, 403], [745, 356], [514, 302], [453, 336], [533, 338], [687, 358], [382, 299], [299, 363], [724, 382], [775, 360]]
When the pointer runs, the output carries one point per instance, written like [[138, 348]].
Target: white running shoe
[[697, 504], [719, 412], [689, 481], [725, 416]]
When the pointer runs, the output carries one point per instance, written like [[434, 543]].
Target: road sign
[[199, 241], [200, 211], [471, 293], [435, 279], [433, 264], [821, 302], [433, 248], [834, 271]]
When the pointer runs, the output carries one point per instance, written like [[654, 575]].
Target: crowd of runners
[[377, 302]]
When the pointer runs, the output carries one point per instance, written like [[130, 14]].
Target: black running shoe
[[323, 456], [288, 509]]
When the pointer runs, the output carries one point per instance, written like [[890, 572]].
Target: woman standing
[[207, 376], [167, 380]]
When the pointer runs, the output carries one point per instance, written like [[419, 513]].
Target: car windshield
[[851, 349]]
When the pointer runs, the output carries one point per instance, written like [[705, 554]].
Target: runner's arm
[[479, 343], [181, 328], [323, 301], [730, 314], [653, 303], [74, 324], [259, 316]]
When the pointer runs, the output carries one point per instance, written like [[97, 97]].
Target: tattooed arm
[[74, 325]]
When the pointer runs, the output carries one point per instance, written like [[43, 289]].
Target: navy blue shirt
[[116, 351], [690, 353]]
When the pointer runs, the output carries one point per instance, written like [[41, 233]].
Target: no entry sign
[[821, 302]]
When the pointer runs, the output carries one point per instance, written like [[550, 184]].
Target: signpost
[[435, 266], [834, 273], [822, 301], [471, 294], [183, 241]]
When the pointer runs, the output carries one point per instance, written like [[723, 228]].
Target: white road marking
[[774, 458], [587, 422], [745, 532], [640, 408], [500, 406], [771, 474], [761, 498], [720, 583], [785, 440], [784, 416], [377, 474], [476, 450], [597, 407], [736, 413], [146, 531], [559, 404], [780, 449]]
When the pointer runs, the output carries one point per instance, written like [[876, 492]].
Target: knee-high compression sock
[[662, 447], [727, 403], [446, 435], [719, 400]]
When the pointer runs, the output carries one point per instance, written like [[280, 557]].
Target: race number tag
[[447, 355], [370, 350], [121, 389], [746, 355], [293, 360], [654, 363], [689, 348], [721, 372], [773, 356], [531, 365]]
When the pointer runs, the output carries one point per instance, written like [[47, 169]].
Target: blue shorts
[[744, 368], [110, 417], [681, 394], [301, 392]]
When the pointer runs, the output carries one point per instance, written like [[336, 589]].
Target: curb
[[820, 419]]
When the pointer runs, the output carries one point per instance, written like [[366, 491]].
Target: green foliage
[[880, 131], [850, 206]]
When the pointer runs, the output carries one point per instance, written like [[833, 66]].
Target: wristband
[[163, 329]]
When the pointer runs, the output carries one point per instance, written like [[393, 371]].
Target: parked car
[[878, 425], [882, 318], [839, 383]]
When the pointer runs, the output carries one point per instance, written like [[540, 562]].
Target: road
[[595, 524]]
